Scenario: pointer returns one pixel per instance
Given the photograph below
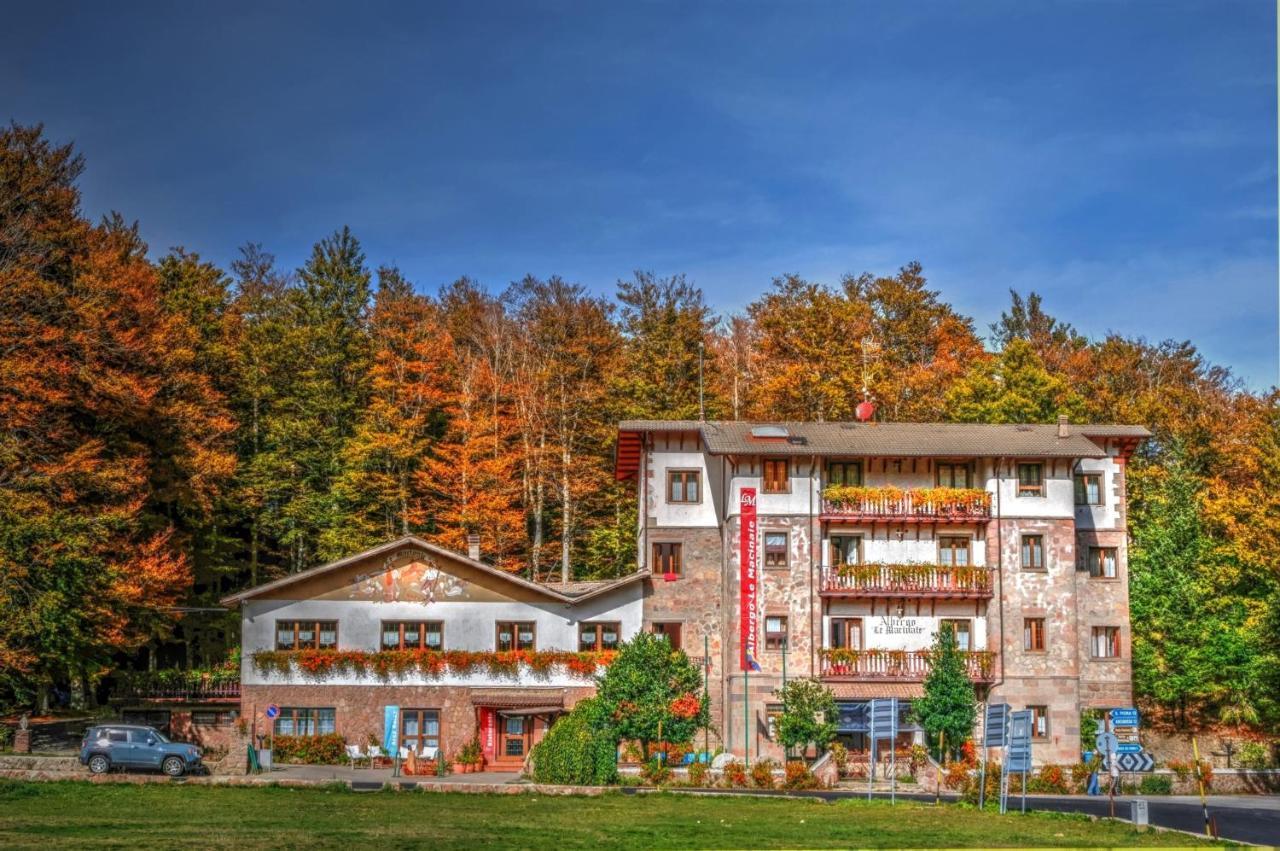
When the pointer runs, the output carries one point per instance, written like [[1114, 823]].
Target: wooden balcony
[[924, 505], [906, 580], [179, 687], [897, 665]]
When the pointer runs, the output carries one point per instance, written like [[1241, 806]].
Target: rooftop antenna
[[866, 409]]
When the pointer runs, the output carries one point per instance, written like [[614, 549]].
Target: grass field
[[79, 814]]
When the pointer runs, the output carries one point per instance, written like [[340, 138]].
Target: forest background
[[171, 432]]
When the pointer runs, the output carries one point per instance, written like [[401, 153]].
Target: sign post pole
[[746, 717], [1204, 805], [706, 694]]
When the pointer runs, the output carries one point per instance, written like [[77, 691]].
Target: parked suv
[[110, 746]]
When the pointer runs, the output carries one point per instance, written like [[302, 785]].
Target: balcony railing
[[937, 505], [906, 580], [898, 665], [179, 685]]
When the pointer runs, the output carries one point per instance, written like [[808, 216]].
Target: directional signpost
[[995, 732], [884, 725], [1134, 762], [1127, 755], [1018, 756]]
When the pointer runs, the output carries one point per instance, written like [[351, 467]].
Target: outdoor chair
[[428, 753], [354, 755]]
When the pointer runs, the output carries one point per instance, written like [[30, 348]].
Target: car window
[[140, 737], [117, 736]]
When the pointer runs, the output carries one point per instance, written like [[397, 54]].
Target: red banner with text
[[748, 579]]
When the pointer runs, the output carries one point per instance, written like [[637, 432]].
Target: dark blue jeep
[[109, 746]]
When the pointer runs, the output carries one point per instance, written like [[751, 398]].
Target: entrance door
[[515, 738]]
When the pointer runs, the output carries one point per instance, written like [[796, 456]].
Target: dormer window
[[777, 477]]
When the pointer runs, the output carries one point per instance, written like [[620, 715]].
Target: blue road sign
[[1124, 717], [1019, 755], [884, 718], [995, 725], [1128, 747], [272, 712], [1130, 762]]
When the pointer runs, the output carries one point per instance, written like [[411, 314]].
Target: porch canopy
[[853, 704], [519, 701]]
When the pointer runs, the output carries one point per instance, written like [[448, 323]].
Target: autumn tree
[[666, 370], [1013, 387]]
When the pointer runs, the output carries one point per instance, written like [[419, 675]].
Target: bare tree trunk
[[566, 516]]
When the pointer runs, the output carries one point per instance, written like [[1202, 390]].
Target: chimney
[[473, 547], [1063, 431]]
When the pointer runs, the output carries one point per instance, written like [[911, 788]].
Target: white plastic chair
[[372, 753], [354, 754], [428, 753], [404, 753]]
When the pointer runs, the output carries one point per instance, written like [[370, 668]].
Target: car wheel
[[173, 766], [99, 764]]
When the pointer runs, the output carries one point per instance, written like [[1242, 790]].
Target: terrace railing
[[179, 685], [897, 665], [906, 580], [939, 505]]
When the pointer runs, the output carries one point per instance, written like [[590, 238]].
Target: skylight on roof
[[770, 432]]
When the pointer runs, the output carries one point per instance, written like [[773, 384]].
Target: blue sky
[[1118, 157]]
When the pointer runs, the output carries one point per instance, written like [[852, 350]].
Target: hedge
[[579, 750]]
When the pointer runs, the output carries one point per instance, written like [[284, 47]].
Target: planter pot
[[670, 577], [459, 768]]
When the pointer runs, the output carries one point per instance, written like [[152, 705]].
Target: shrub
[[328, 749], [655, 772], [1156, 784], [918, 757], [840, 758], [1253, 756], [735, 776], [1049, 779], [970, 791], [698, 774], [968, 753], [577, 750], [799, 776], [1180, 768], [804, 701], [1080, 773], [956, 776], [762, 773]]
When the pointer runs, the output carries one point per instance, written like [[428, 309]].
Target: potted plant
[[458, 764], [472, 755]]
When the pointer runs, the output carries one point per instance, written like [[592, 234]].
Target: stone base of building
[[360, 711]]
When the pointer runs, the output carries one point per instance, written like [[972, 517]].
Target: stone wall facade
[[358, 710]]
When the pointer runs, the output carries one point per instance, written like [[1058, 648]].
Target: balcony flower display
[[388, 665], [891, 501], [909, 577], [843, 663]]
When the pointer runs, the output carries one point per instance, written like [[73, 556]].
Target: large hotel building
[[862, 541]]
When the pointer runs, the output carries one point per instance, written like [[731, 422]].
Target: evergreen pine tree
[[949, 706]]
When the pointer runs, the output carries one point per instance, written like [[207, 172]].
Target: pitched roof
[[893, 439], [574, 592], [870, 691]]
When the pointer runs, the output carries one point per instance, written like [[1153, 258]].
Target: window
[[599, 636], [1039, 722], [1033, 635], [669, 630], [304, 721], [516, 635], [846, 633], [684, 486], [772, 712], [306, 635], [844, 473], [777, 478], [960, 628], [666, 558], [775, 632], [846, 549], [1033, 552], [953, 552], [953, 475], [1030, 480], [117, 736], [211, 718], [775, 549], [419, 729], [1106, 642], [1102, 562], [1089, 489], [412, 635]]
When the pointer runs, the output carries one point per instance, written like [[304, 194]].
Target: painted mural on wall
[[411, 576]]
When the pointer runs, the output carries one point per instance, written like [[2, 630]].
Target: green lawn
[[161, 816]]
